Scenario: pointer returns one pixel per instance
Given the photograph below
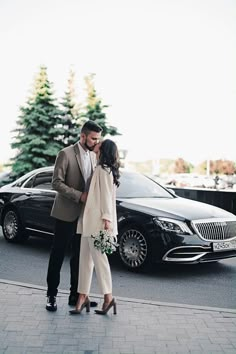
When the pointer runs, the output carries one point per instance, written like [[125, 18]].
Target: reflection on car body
[[154, 224]]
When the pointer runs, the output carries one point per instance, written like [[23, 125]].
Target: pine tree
[[39, 132], [70, 113], [95, 108]]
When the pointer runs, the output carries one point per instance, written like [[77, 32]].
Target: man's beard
[[90, 148]]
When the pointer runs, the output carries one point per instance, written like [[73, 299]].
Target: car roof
[[45, 169], [41, 169]]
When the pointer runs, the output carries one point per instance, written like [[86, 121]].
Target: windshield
[[135, 185]]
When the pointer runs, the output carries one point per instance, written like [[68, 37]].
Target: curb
[[125, 299]]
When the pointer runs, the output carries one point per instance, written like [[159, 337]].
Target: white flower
[[105, 242]]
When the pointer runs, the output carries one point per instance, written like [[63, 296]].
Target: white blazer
[[100, 204]]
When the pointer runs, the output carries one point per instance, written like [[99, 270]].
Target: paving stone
[[139, 328]]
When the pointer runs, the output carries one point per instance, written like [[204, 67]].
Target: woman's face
[[96, 148]]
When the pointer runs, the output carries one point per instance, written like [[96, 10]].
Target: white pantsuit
[[100, 206], [90, 257]]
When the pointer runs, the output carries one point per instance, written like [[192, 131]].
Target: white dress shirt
[[86, 166]]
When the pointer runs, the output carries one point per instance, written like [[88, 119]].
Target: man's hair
[[90, 126]]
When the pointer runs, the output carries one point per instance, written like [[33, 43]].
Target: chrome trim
[[44, 232], [165, 258], [214, 229], [182, 260], [38, 189]]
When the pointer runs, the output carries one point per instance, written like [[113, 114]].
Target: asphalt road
[[212, 284]]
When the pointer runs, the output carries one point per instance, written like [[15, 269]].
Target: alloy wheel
[[10, 225], [133, 248]]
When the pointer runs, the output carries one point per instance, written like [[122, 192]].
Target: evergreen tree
[[94, 108], [39, 133], [70, 113]]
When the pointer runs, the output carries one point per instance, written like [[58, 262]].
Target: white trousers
[[91, 258]]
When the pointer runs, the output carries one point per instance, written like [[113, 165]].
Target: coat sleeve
[[59, 177], [106, 189]]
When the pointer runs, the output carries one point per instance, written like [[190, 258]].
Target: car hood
[[180, 208]]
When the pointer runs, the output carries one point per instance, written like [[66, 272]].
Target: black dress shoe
[[51, 303], [73, 299]]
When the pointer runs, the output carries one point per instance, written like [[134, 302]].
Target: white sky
[[165, 67]]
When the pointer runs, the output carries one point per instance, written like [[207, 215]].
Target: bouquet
[[105, 242]]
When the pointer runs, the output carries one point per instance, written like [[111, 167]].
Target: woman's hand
[[107, 224], [83, 197]]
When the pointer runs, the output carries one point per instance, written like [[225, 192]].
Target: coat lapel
[[92, 159], [77, 155]]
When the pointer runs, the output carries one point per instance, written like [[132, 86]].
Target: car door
[[39, 201]]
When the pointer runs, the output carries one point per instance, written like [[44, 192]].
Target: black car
[[154, 224]]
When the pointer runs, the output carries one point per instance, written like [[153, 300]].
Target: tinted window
[[29, 183], [20, 181], [43, 180], [134, 185]]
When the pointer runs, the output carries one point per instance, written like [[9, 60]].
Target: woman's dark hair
[[109, 157]]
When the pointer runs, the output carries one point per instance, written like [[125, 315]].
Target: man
[[71, 178]]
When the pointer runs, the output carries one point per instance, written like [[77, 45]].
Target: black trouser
[[65, 234]]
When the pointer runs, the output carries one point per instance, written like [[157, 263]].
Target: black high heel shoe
[[104, 311], [86, 304]]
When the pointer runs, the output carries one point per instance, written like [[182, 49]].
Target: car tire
[[133, 248], [13, 230]]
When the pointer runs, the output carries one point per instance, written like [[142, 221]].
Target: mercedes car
[[154, 224]]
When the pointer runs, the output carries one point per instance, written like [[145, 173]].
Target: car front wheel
[[12, 227], [133, 248]]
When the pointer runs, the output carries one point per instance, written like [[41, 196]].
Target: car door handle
[[28, 193]]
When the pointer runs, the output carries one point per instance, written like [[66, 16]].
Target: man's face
[[96, 148], [89, 141]]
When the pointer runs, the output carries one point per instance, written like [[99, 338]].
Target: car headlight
[[173, 225]]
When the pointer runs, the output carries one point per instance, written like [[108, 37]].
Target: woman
[[99, 214]]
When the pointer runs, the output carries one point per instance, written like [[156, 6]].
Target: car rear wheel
[[133, 248], [12, 227]]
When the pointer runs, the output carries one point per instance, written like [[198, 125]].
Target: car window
[[43, 180], [29, 183], [20, 181], [134, 185]]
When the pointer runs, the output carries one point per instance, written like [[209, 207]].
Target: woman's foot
[[107, 306], [107, 299], [83, 301]]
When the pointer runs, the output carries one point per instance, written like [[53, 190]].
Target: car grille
[[220, 229]]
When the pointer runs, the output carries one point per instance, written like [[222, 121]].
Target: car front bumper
[[196, 254]]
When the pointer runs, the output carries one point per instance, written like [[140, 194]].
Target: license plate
[[224, 246]]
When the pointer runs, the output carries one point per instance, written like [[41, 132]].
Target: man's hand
[[83, 197], [107, 224]]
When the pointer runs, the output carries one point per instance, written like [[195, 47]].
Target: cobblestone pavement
[[140, 327]]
